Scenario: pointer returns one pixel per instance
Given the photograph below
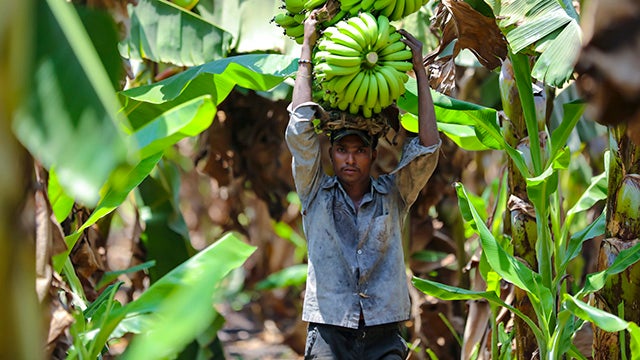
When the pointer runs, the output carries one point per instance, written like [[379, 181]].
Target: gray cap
[[366, 138]]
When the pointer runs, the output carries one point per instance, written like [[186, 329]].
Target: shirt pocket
[[380, 232]]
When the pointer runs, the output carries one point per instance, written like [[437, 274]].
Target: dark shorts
[[380, 342]]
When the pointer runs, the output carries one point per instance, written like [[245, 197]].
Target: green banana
[[383, 32], [383, 89], [362, 91], [294, 31], [355, 9], [312, 4], [348, 4], [354, 109], [333, 59], [294, 6], [398, 10], [393, 47], [367, 112], [299, 18], [330, 70], [388, 10], [366, 5], [410, 7], [345, 40], [339, 49], [392, 80], [401, 55], [377, 108], [372, 26], [342, 82], [352, 31], [284, 19], [359, 24], [352, 88], [372, 92], [381, 4], [401, 66]]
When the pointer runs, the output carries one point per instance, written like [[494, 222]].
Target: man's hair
[[368, 139]]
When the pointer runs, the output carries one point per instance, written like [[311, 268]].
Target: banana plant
[[535, 223]]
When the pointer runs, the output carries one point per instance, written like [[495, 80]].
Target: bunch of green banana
[[397, 9], [361, 64], [292, 23], [356, 6], [293, 6], [392, 9], [312, 4]]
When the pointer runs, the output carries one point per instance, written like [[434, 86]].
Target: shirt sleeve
[[415, 168], [304, 146]]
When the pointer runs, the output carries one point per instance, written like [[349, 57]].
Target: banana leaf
[[183, 298], [165, 33], [70, 115], [546, 27], [258, 72]]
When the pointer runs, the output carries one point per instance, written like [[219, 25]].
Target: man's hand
[[416, 48], [311, 29]]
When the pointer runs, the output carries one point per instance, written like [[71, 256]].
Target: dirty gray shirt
[[355, 258]]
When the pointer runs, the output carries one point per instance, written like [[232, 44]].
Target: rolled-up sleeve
[[415, 168], [304, 146]]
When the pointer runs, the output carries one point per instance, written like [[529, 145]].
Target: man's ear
[[374, 154], [331, 153]]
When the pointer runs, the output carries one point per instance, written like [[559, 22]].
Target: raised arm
[[427, 128], [302, 87]]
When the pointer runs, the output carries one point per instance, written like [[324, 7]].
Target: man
[[357, 291]]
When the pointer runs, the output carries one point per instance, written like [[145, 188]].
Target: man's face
[[352, 159]]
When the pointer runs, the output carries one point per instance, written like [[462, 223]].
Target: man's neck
[[356, 191]]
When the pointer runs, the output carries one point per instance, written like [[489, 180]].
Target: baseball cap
[[366, 138]]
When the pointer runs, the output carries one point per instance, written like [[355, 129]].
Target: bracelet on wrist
[[304, 61]]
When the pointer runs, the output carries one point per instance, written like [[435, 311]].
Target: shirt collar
[[331, 181]]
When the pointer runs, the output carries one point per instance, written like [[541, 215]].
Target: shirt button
[[359, 251]]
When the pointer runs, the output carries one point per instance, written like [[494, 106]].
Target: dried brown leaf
[[49, 236], [472, 30]]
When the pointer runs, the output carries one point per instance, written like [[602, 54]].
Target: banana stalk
[[622, 231], [520, 220]]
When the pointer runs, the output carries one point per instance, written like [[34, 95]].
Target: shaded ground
[[244, 338]]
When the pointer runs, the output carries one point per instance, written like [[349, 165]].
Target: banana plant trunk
[[520, 219], [621, 294]]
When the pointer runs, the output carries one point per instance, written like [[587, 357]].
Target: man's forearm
[[428, 129], [302, 88]]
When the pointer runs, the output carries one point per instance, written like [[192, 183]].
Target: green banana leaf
[[166, 236], [165, 33], [258, 72], [294, 275], [185, 120], [483, 121], [249, 22], [547, 27], [574, 248], [449, 293], [182, 298], [471, 126], [70, 115], [596, 281], [507, 266], [596, 191], [604, 320], [113, 197], [61, 203], [177, 123]]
